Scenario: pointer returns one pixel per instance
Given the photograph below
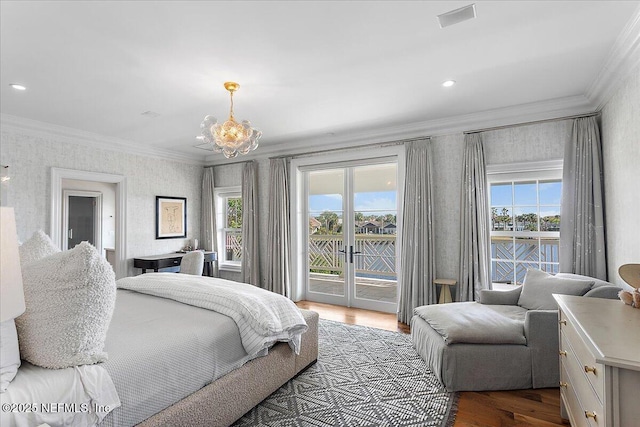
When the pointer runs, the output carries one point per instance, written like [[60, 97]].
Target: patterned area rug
[[364, 377]]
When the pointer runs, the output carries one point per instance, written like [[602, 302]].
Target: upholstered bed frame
[[228, 398]]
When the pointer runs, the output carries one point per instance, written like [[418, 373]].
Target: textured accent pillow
[[37, 247], [9, 353], [70, 297], [538, 289]]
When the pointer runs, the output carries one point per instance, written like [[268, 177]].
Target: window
[[229, 224], [525, 219]]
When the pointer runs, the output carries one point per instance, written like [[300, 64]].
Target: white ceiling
[[311, 73]]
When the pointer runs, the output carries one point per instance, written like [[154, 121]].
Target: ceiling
[[311, 74]]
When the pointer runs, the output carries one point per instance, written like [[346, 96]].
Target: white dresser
[[599, 362]]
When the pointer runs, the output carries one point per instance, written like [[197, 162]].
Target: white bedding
[[263, 317], [80, 396]]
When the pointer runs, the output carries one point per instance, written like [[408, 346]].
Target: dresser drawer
[[588, 400], [594, 372], [568, 396]]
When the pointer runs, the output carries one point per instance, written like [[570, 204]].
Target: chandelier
[[231, 138]]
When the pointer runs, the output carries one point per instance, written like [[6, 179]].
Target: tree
[[358, 216], [329, 220], [234, 213]]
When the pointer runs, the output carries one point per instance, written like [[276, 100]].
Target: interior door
[[82, 218], [352, 251]]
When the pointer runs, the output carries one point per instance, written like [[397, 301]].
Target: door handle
[[343, 250], [70, 234], [351, 253]]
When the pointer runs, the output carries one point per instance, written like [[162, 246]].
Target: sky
[[378, 202], [521, 196]]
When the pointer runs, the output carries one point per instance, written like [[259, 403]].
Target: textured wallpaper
[[31, 158], [621, 151]]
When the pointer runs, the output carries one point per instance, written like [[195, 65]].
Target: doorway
[[351, 240], [82, 214], [118, 218]]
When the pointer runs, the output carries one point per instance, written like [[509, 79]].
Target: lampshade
[[11, 293]]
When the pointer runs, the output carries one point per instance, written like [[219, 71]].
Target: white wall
[[31, 156], [621, 152]]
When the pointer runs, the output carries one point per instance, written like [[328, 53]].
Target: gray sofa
[[496, 344]]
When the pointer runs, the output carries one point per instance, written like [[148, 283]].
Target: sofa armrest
[[610, 292], [500, 297], [541, 331]]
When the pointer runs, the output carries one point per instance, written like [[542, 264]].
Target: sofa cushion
[[596, 282], [69, 298], [471, 322], [610, 292], [538, 289]]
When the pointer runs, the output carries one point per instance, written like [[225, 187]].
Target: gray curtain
[[417, 253], [278, 233], [250, 272], [208, 217], [582, 239], [475, 243]]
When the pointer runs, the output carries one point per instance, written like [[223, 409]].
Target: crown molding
[[519, 114], [623, 59], [88, 139]]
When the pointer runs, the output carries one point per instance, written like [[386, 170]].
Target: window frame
[[221, 195], [513, 173]]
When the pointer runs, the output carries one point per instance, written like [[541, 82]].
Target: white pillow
[[37, 247], [9, 353], [538, 289], [69, 298]]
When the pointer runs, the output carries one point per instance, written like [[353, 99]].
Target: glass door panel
[[326, 234], [375, 225]]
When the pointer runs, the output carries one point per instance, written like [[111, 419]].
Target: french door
[[351, 241]]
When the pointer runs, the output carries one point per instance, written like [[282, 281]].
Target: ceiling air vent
[[457, 15]]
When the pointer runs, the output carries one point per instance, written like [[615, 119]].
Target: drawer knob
[[590, 369], [563, 384], [563, 322], [590, 414], [562, 353]]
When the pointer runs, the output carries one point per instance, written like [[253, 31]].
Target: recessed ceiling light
[[448, 83], [17, 86]]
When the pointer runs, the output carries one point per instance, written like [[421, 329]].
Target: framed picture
[[171, 217]]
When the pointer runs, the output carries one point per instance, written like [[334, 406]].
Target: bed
[[171, 362]]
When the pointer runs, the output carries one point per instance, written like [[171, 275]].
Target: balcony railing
[[377, 256], [510, 257]]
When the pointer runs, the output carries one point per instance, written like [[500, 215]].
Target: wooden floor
[[540, 407]]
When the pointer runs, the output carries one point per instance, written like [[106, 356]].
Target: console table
[[157, 262]]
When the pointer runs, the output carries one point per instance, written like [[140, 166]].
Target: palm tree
[[329, 219]]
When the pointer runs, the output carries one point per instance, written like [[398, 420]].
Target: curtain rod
[[579, 116], [237, 162], [356, 147]]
